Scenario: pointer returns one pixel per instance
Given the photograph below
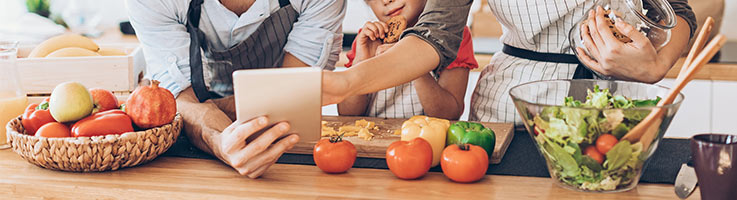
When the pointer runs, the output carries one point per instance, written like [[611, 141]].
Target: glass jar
[[654, 18], [12, 99]]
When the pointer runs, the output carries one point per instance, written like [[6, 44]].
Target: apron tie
[[581, 71]]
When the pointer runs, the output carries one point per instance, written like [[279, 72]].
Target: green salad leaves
[[568, 129]]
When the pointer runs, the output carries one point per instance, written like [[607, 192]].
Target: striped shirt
[[315, 39], [403, 101], [537, 25]]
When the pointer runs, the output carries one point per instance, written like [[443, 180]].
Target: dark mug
[[715, 162]]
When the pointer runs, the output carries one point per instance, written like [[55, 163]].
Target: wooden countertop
[[186, 178]]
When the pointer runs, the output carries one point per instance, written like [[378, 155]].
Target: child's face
[[386, 9]]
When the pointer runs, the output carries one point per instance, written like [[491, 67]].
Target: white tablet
[[293, 95]]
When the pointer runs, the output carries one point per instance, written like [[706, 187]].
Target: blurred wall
[[357, 13], [729, 27]]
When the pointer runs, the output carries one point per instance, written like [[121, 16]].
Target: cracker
[[619, 35], [396, 25]]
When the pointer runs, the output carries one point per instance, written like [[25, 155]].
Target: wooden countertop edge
[[189, 178]]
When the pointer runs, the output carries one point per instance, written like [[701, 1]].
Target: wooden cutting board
[[376, 148]]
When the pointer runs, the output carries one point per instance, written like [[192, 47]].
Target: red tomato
[[334, 155], [103, 123], [464, 163], [605, 142], [53, 129], [409, 159], [538, 130], [593, 153]]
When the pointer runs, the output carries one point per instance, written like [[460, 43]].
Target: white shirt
[[160, 25]]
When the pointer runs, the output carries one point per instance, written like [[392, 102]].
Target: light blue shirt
[[316, 38]]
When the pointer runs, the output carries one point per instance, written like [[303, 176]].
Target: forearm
[[354, 106], [436, 100], [292, 61], [669, 54], [410, 58], [202, 121]]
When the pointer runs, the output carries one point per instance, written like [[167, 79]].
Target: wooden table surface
[[186, 178]]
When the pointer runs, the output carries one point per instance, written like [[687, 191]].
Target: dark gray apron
[[263, 49]]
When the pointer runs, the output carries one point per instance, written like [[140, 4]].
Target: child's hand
[[369, 39]]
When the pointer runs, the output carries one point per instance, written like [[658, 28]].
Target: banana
[[111, 52], [72, 52], [63, 41]]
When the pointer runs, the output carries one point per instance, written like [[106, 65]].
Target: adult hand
[[251, 155], [637, 60]]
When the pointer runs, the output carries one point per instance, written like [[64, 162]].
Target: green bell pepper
[[471, 133]]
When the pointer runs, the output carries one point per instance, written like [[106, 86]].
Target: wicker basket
[[93, 154]]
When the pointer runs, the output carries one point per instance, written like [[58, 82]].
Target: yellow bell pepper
[[431, 129]]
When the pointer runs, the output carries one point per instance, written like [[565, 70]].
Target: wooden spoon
[[698, 44], [637, 132], [647, 129]]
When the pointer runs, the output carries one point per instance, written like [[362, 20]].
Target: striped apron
[[263, 49], [397, 102], [530, 27]]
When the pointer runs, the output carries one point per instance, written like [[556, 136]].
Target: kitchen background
[[708, 106]]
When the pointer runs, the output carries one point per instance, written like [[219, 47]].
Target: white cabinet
[[695, 113], [724, 107]]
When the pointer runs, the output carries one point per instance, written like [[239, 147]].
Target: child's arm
[[443, 98], [367, 41], [431, 43], [354, 105]]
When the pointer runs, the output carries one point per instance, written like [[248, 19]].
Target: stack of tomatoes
[[147, 107]]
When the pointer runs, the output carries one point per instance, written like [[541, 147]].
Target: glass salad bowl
[[654, 18], [578, 125]]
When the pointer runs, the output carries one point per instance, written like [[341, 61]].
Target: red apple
[[104, 100]]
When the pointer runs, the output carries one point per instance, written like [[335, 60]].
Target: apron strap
[[581, 71], [283, 3], [197, 42], [195, 56]]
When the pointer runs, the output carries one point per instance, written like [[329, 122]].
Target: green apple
[[70, 101]]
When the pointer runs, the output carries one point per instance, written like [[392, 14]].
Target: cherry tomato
[[334, 155], [409, 159], [538, 130], [53, 129], [593, 153], [605, 142], [464, 163]]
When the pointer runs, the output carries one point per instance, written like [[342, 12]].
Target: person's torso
[[224, 29], [256, 39], [536, 25], [539, 25], [403, 101], [397, 102]]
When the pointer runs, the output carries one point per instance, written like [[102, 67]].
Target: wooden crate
[[119, 74], [122, 96]]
